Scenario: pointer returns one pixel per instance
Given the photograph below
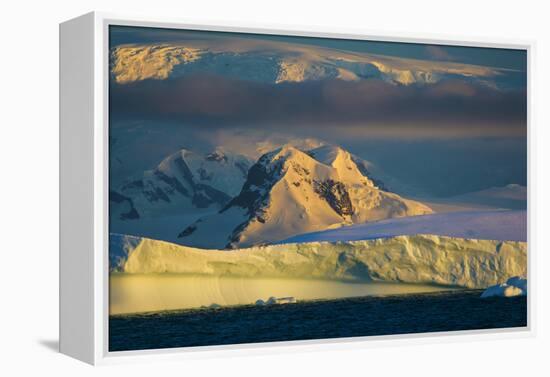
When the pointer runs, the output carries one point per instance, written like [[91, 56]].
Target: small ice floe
[[276, 300], [515, 286]]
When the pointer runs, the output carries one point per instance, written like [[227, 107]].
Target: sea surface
[[363, 316]]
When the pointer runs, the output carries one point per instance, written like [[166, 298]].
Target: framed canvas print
[[225, 186]]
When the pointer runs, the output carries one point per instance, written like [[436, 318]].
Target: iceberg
[[422, 259], [151, 275], [276, 300], [515, 286]]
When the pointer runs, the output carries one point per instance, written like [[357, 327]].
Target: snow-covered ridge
[[188, 185], [277, 62], [419, 259], [489, 225], [132, 63], [183, 180], [290, 192]]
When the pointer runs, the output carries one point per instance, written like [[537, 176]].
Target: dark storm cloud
[[218, 102]]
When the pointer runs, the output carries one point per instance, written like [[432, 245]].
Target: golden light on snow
[[136, 63], [132, 293], [297, 63]]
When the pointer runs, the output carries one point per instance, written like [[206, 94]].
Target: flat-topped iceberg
[[418, 259], [151, 275]]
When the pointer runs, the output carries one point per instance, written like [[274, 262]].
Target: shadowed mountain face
[[184, 181], [289, 192]]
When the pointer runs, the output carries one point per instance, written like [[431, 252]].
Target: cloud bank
[[449, 108]]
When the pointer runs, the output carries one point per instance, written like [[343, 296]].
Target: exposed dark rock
[[173, 182], [216, 156], [130, 215], [246, 199], [255, 193], [235, 236], [155, 195], [256, 187], [303, 172], [336, 195], [216, 196], [118, 198], [137, 184], [187, 231], [203, 175], [257, 175], [186, 172], [184, 184]]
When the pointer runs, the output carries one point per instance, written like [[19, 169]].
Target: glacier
[[278, 62], [151, 275], [479, 224], [428, 259]]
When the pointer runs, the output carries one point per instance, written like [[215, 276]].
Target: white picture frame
[[84, 191]]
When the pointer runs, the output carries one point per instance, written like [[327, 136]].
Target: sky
[[443, 119]]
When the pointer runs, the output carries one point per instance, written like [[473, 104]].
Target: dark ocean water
[[403, 314]]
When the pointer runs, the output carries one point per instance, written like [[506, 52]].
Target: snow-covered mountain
[[182, 182], [278, 62], [349, 165], [289, 192]]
